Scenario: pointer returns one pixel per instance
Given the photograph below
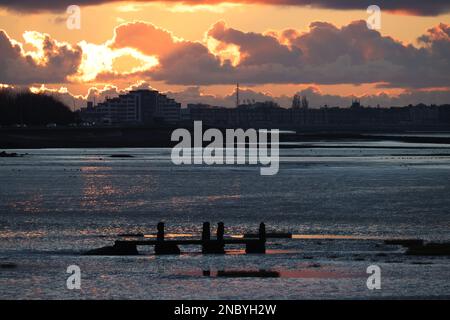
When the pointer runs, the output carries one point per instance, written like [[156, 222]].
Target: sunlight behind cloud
[[101, 58], [226, 52], [36, 40]]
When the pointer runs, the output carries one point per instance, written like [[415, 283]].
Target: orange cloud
[[145, 37]]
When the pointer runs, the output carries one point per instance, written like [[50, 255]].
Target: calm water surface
[[57, 203]]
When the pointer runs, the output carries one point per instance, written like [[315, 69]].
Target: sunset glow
[[100, 58], [273, 48]]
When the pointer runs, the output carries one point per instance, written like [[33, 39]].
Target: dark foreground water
[[55, 204]]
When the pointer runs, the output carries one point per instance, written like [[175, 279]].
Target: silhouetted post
[[258, 246], [206, 237], [220, 231], [262, 232], [206, 232], [160, 235], [213, 246], [164, 247]]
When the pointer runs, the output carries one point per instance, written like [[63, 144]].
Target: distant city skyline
[[148, 107], [197, 94]]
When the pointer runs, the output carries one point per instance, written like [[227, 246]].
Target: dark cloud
[[192, 63], [58, 61], [415, 7], [325, 54], [255, 48]]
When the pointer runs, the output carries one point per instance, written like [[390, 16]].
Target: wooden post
[[213, 246], [220, 231], [262, 232], [206, 238], [160, 235], [260, 245], [206, 232], [164, 247]]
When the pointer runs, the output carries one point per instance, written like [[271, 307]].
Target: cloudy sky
[[197, 50]]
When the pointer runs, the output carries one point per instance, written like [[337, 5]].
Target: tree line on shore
[[26, 107]]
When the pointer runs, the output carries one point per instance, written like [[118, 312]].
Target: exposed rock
[[216, 247], [115, 250], [430, 249], [5, 154], [248, 273], [121, 156], [166, 248], [255, 247], [405, 242], [314, 265]]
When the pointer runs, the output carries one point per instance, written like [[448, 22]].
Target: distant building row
[[135, 107], [149, 107], [270, 115]]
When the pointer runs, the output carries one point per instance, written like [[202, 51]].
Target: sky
[[196, 51]]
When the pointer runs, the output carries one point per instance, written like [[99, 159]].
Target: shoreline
[[160, 137]]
